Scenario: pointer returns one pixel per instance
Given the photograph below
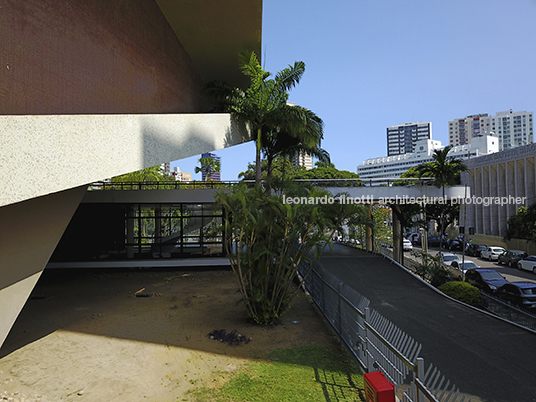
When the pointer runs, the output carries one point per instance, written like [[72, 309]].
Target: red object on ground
[[377, 388]]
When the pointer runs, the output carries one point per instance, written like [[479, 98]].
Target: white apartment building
[[462, 130], [181, 176], [303, 159], [402, 138], [391, 167], [513, 129]]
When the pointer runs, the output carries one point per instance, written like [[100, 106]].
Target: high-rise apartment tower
[[401, 139]]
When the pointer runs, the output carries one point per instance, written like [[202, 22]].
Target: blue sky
[[372, 64]]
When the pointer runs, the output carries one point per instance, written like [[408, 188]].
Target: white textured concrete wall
[[29, 232], [44, 154]]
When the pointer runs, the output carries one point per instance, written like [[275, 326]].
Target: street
[[511, 274]]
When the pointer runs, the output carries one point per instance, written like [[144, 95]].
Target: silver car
[[492, 253]]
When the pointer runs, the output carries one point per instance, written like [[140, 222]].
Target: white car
[[462, 267], [492, 253], [528, 263], [407, 246], [448, 258]]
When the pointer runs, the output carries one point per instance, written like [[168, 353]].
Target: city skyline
[[366, 70]]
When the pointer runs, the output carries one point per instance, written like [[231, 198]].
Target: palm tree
[[264, 108], [208, 165], [446, 172]]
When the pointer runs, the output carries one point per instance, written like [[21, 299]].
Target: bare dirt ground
[[138, 335]]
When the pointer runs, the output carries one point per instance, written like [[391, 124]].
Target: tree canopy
[[280, 128], [155, 173], [208, 165], [523, 224]]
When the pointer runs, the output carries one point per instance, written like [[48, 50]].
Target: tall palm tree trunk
[[258, 159]]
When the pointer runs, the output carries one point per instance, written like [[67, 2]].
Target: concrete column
[[131, 215], [485, 193], [494, 224], [478, 207], [530, 184], [501, 189], [29, 233]]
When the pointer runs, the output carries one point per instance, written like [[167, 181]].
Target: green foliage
[[463, 292], [523, 224], [381, 215], [412, 172], [152, 174], [327, 173], [278, 127], [430, 269], [301, 374], [267, 240], [282, 168], [208, 165], [444, 169]]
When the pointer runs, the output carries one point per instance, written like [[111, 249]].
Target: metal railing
[[374, 341], [160, 185], [507, 311], [179, 185], [490, 303]]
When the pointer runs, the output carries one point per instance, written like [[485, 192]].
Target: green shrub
[[463, 292]]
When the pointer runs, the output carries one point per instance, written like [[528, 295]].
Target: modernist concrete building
[[507, 177], [391, 167], [91, 89]]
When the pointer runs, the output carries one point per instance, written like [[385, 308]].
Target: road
[[511, 274], [485, 357]]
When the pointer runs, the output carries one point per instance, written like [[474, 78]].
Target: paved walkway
[[483, 356]]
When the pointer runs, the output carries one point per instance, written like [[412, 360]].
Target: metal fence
[[490, 303], [509, 312], [375, 342]]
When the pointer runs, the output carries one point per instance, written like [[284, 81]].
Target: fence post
[[368, 357], [419, 373], [339, 307]]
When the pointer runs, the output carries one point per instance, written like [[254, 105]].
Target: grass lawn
[[306, 373]]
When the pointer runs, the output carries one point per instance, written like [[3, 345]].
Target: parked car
[[522, 294], [474, 250], [491, 253], [414, 238], [448, 258], [485, 279], [406, 245], [454, 244], [528, 263], [462, 267], [433, 241], [511, 257]]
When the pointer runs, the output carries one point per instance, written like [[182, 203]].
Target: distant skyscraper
[[213, 175], [401, 139], [513, 129], [303, 159]]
